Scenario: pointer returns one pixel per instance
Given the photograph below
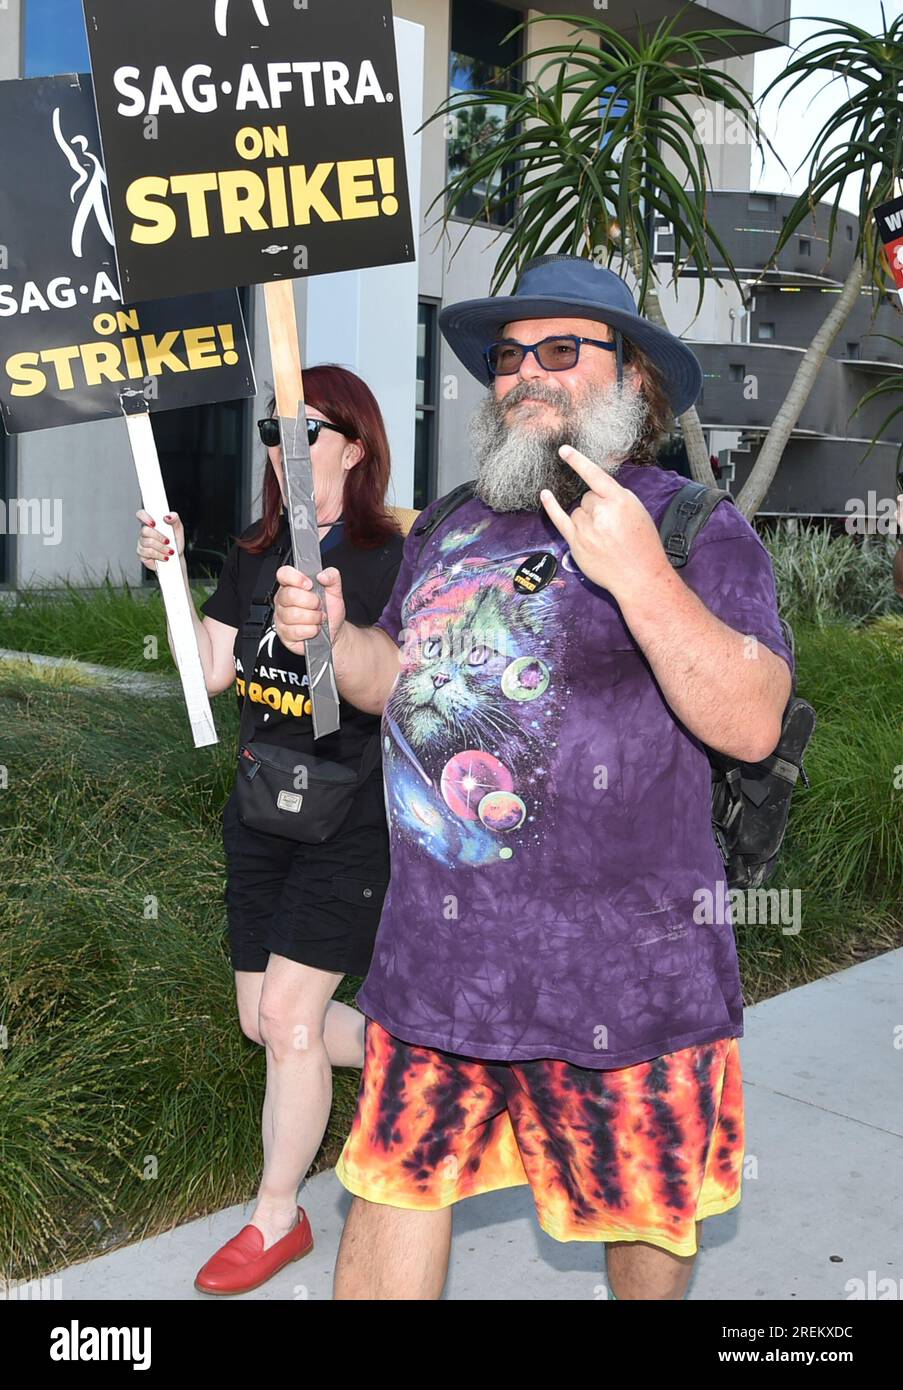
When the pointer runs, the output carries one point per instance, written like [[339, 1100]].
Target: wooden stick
[[176, 598], [285, 348], [285, 353]]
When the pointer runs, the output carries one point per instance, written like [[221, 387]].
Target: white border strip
[[176, 597]]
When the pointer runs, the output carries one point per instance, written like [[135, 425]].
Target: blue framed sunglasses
[[555, 354]]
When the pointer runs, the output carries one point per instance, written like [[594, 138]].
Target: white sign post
[[176, 597]]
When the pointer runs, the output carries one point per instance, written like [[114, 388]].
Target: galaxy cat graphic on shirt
[[472, 722]]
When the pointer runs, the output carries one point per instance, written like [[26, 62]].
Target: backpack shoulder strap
[[685, 515], [444, 508], [258, 615]]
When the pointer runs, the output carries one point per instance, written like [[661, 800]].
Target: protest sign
[[68, 345], [70, 350], [889, 219], [253, 142], [249, 140]]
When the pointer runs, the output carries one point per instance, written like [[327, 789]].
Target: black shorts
[[318, 905]]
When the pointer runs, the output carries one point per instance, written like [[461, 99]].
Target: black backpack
[[750, 801]]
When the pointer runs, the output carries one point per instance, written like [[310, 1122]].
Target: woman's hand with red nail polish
[[154, 544]]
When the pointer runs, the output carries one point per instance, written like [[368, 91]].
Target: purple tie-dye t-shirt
[[550, 817]]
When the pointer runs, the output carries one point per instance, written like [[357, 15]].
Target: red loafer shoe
[[242, 1263]]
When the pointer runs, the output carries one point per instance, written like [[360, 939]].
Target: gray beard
[[517, 460]]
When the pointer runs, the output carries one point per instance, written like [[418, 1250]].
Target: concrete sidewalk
[[823, 1204]]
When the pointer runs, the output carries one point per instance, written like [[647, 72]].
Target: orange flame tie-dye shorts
[[639, 1153]]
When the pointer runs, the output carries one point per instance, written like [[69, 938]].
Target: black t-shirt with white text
[[279, 685]]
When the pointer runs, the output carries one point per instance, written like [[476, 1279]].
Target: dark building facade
[[746, 378]]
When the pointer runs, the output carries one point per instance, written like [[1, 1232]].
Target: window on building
[[737, 371], [761, 202], [765, 331], [202, 454], [853, 349], [662, 240], [55, 39], [427, 416], [849, 231], [805, 246], [478, 59]]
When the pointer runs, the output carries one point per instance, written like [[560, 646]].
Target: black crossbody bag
[[279, 791]]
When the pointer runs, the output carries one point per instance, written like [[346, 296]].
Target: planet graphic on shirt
[[526, 678], [502, 811], [470, 776]]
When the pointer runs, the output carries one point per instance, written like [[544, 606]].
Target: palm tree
[[593, 154], [872, 150]]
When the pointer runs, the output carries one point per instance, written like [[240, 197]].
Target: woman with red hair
[[301, 916]]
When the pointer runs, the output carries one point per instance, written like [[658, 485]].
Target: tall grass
[[109, 624], [129, 1098], [823, 579], [844, 845], [851, 831]]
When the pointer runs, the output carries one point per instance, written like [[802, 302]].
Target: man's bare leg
[[638, 1270], [392, 1253]]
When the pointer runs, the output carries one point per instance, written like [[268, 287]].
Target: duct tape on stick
[[285, 354], [302, 514]]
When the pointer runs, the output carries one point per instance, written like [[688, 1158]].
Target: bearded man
[[549, 1001]]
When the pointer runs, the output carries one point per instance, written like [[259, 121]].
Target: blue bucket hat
[[559, 286]]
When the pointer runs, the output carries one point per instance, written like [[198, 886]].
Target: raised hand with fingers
[[611, 535]]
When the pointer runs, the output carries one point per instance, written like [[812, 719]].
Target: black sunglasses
[[553, 354], [269, 431]]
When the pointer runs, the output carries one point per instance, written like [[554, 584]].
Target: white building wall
[[435, 18], [367, 319]]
